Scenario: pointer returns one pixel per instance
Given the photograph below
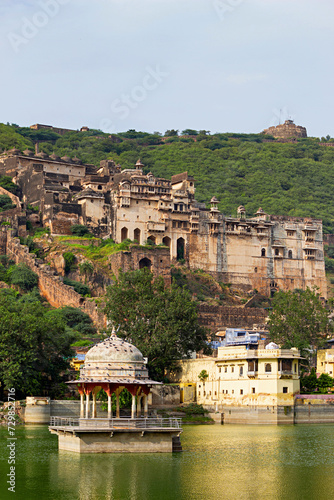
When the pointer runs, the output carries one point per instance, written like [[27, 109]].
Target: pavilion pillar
[[87, 405], [145, 405], [109, 406], [117, 404], [133, 407], [139, 405], [82, 405], [94, 405]]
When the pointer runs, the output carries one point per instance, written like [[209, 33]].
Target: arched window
[[124, 233], [99, 187], [290, 254], [180, 249], [136, 235], [268, 368], [263, 252], [276, 251], [166, 241], [151, 239], [145, 263]]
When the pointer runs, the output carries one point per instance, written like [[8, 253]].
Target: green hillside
[[294, 179]]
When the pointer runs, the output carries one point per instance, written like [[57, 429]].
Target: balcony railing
[[116, 423], [285, 373]]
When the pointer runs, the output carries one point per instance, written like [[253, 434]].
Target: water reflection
[[219, 462]]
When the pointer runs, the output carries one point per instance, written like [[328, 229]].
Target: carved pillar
[[117, 404], [133, 407], [82, 405], [145, 406], [138, 405], [109, 407], [94, 405], [87, 405]]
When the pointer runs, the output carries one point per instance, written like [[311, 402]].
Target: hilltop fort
[[287, 130], [260, 252]]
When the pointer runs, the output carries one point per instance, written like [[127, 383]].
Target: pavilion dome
[[114, 349]]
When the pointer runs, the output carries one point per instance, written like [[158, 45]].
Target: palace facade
[[264, 252]]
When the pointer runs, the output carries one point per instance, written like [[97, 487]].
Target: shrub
[[3, 273], [6, 183], [33, 208], [69, 258], [82, 343], [39, 231], [86, 268], [78, 287], [192, 409], [24, 277], [5, 203], [78, 320], [80, 230]]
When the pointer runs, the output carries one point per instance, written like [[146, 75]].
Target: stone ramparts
[[221, 317], [51, 287]]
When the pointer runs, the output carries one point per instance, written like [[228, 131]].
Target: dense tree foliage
[[79, 287], [22, 276], [299, 319], [161, 321], [80, 230], [77, 320], [34, 345], [6, 183], [6, 203], [311, 383]]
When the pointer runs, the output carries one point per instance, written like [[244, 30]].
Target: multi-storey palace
[[264, 252]]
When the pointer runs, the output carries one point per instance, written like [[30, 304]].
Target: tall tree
[[161, 321], [299, 319], [34, 345]]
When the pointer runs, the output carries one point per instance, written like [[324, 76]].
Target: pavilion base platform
[[121, 435]]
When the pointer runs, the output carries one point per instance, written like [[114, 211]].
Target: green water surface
[[218, 462]]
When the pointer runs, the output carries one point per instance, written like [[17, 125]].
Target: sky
[[153, 65]]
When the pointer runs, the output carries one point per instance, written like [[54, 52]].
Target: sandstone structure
[[57, 130], [287, 130], [262, 252]]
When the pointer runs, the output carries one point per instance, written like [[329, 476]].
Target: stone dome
[[114, 349]]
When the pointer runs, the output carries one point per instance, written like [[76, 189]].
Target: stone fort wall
[[51, 287], [220, 317]]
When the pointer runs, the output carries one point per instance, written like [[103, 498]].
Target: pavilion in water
[[114, 365]]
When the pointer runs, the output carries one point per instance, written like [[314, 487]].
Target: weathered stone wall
[[257, 415], [165, 395], [156, 258], [286, 130], [51, 287], [3, 241], [314, 409], [221, 317]]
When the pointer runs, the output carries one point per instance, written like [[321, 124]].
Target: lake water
[[218, 462]]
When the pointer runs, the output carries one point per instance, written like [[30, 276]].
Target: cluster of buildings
[[246, 381], [262, 252]]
